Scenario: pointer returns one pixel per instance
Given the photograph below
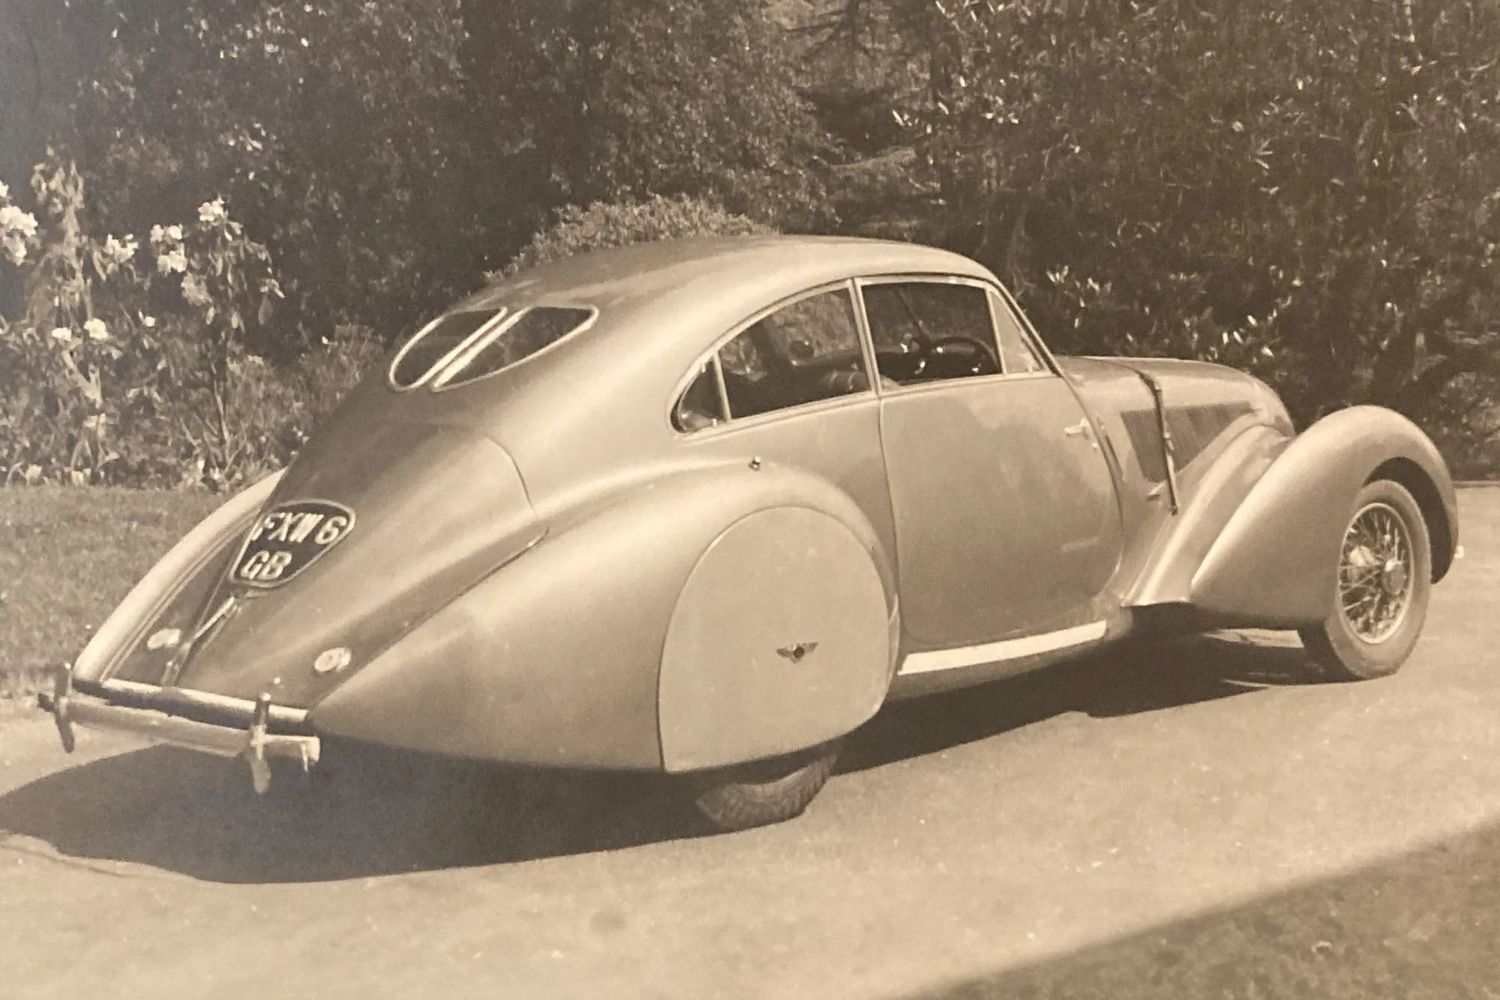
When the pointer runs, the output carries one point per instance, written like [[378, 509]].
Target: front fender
[[1276, 560], [560, 657]]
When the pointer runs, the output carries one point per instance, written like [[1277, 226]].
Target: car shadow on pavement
[[1141, 676], [197, 815], [184, 812]]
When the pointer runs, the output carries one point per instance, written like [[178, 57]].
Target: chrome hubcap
[[1375, 573]]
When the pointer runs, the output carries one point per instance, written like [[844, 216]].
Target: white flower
[[120, 251], [212, 212], [62, 335], [4, 191], [194, 291], [157, 232], [172, 260], [148, 322], [174, 232], [17, 229], [14, 220], [96, 329]]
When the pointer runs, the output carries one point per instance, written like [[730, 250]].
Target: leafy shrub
[[1306, 190], [115, 373], [82, 358], [603, 225]]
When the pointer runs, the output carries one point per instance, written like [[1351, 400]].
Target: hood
[[412, 514], [1202, 402], [1187, 386]]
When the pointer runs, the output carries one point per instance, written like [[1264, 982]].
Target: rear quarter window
[[435, 342], [515, 340]]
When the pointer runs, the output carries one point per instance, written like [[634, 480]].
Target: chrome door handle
[[1078, 429]]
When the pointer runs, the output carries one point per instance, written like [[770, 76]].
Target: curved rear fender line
[[1275, 562], [156, 589], [781, 639], [554, 659]]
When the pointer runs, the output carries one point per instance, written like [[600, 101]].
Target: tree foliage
[[617, 101], [1308, 190], [333, 130]]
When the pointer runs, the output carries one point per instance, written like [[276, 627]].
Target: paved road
[[982, 839]]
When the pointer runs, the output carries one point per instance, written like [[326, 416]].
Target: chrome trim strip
[[1005, 649], [279, 713]]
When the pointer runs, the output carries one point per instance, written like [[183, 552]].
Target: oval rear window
[[435, 341], [516, 340]]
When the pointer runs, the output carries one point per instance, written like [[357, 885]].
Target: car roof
[[608, 389]]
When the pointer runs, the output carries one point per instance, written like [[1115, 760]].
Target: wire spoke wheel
[[1381, 588], [1375, 573]]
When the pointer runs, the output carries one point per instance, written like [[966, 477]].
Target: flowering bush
[[72, 340], [17, 229], [123, 370]]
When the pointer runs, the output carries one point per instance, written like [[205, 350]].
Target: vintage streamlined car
[[703, 507]]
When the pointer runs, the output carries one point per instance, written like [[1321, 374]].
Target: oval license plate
[[288, 539]]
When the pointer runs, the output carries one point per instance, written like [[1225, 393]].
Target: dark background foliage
[[1309, 191]]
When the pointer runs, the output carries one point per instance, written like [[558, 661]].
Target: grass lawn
[[67, 557]]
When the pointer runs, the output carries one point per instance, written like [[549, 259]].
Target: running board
[[1006, 649]]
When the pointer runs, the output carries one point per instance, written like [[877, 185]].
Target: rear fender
[[1275, 562], [585, 651], [778, 641]]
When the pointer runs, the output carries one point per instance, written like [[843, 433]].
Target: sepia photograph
[[750, 499]]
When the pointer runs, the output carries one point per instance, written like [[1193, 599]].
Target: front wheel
[[765, 791], [1383, 585]]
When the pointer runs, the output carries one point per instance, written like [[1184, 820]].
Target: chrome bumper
[[254, 742]]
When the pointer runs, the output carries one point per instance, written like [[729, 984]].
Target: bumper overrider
[[229, 727]]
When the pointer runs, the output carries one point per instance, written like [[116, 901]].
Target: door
[[1006, 518]]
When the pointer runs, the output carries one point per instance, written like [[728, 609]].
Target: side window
[[802, 353], [927, 331], [1019, 357], [699, 406], [812, 331]]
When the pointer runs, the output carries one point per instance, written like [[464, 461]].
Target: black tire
[[1372, 647], [765, 791]]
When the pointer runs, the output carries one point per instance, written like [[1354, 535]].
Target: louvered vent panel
[[1193, 429]]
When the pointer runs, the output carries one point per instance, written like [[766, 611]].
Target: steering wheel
[[983, 361]]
